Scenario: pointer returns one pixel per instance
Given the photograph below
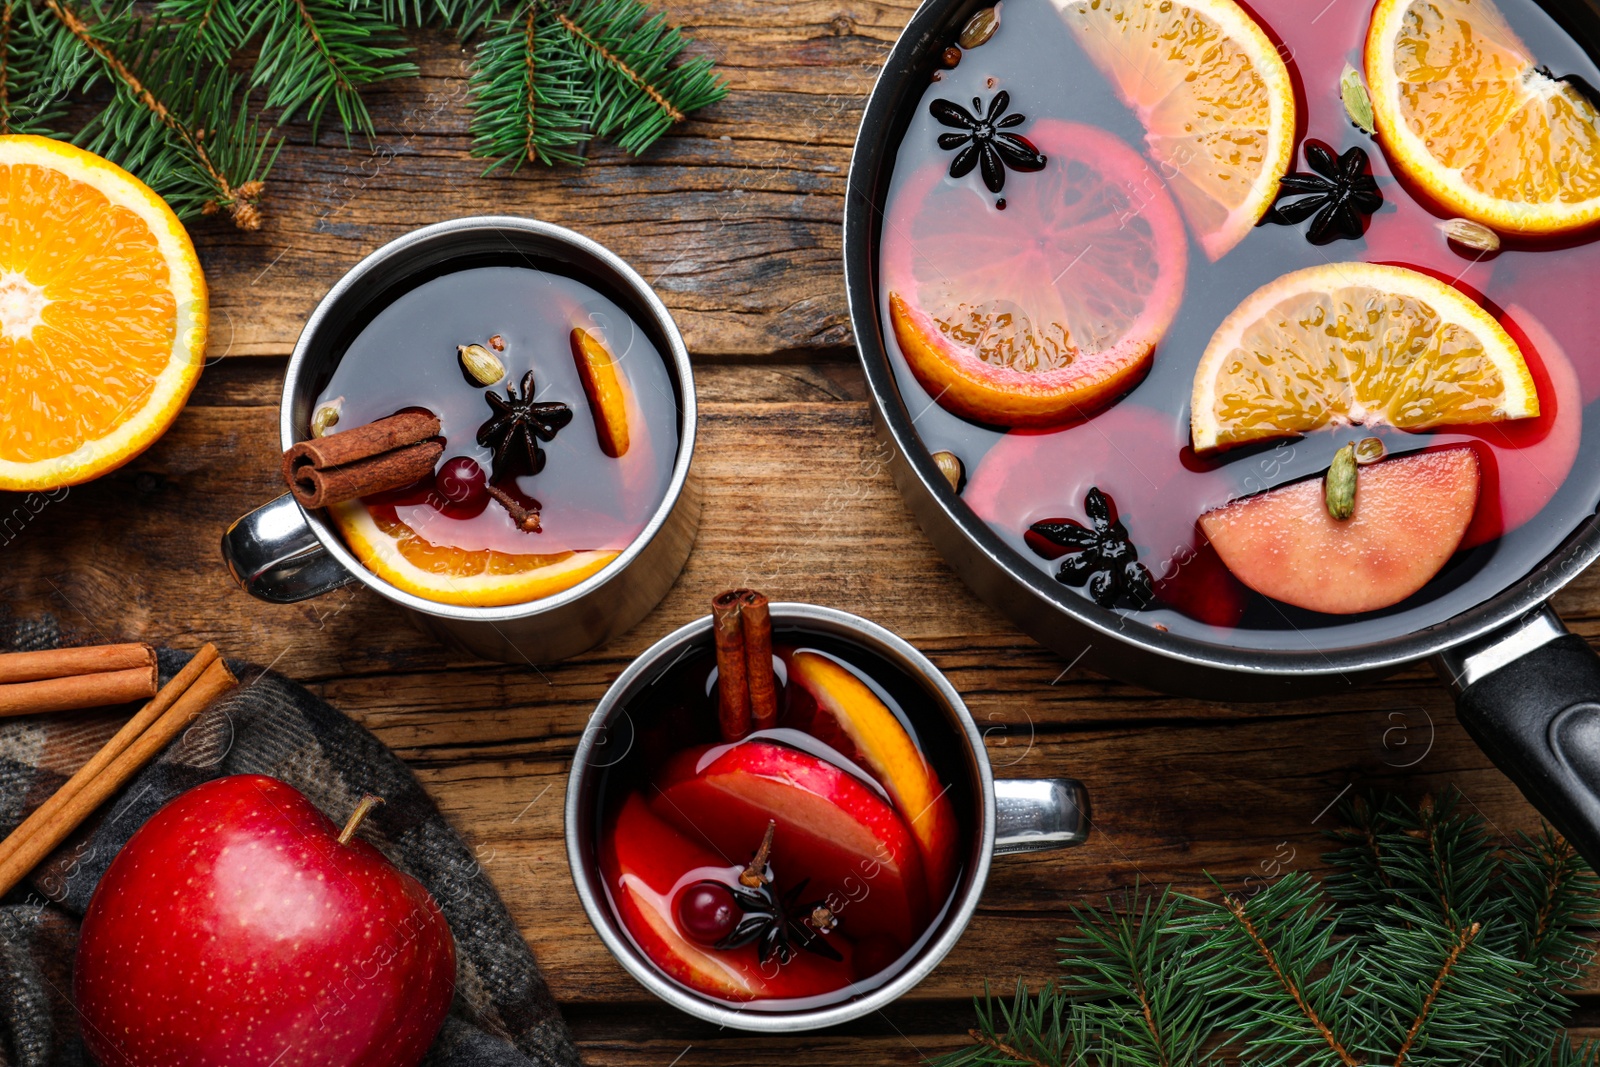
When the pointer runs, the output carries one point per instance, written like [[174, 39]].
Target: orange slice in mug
[[1214, 97], [1049, 309], [479, 578], [1466, 112], [1355, 344], [102, 315]]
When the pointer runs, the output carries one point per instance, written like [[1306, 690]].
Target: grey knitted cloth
[[503, 1015]]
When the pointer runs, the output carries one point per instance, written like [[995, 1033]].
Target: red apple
[[833, 830], [1410, 515], [235, 930], [646, 863]]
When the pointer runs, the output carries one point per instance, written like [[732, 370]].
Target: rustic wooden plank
[[796, 499], [734, 217]]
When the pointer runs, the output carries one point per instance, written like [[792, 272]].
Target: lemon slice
[[102, 315], [1355, 343], [1464, 110], [1213, 95]]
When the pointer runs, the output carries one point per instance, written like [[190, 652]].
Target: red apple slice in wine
[[833, 830], [1410, 515], [643, 861]]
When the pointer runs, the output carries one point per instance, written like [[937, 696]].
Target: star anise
[[777, 924], [1336, 198], [516, 428], [1102, 557], [983, 142]]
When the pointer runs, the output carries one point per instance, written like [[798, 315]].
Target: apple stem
[[755, 875], [357, 817]]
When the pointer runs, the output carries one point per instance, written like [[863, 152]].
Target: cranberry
[[461, 488], [707, 912]]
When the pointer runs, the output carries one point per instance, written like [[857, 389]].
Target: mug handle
[[1039, 814], [275, 555]]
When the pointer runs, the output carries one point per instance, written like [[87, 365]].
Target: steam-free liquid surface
[[406, 356], [1137, 451]]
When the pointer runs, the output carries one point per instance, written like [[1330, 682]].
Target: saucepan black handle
[[1530, 696]]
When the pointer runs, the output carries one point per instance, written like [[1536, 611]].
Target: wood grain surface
[[735, 220]]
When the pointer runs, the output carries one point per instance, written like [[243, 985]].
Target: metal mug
[[283, 553], [1012, 816]]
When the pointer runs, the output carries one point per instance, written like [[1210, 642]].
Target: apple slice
[[643, 861], [603, 385], [845, 713], [832, 829], [1410, 515]]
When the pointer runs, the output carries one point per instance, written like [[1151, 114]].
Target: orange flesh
[[608, 398], [87, 315]]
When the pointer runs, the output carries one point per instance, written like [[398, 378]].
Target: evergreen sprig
[[184, 84], [1430, 945], [186, 132]]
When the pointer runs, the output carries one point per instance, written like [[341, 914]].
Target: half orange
[[102, 315], [1355, 344]]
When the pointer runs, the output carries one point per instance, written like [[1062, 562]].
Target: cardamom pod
[[979, 28], [1471, 234], [326, 417], [1339, 485], [484, 366], [1357, 102], [950, 466], [1370, 450]]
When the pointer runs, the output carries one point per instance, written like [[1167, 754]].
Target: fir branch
[[1287, 980], [188, 137], [530, 105], [1465, 938], [314, 51], [466, 17], [1432, 946], [637, 91]]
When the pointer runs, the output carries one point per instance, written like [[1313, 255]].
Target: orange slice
[[1355, 343], [603, 385], [848, 710], [474, 578], [1465, 111], [1213, 95], [102, 315], [1039, 313]]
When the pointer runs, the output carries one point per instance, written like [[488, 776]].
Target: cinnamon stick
[[48, 833], [757, 626], [733, 691], [65, 662], [379, 456], [78, 691], [113, 748]]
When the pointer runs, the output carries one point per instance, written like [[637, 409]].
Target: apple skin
[[233, 929]]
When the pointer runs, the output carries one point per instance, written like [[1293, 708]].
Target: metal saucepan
[[1526, 689]]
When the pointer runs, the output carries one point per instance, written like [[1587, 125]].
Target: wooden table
[[735, 219]]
